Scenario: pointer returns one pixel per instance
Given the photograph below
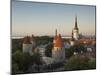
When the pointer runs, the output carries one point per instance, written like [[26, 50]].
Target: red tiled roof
[[57, 41], [27, 40]]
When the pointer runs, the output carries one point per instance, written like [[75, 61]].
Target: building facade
[[28, 44], [58, 51]]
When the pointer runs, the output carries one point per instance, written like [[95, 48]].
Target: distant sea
[[17, 37], [20, 37]]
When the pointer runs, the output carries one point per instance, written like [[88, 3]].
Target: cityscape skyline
[[43, 18]]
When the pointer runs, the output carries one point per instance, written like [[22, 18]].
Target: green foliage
[[92, 64], [76, 48], [22, 61], [16, 57], [79, 62], [15, 68], [43, 40], [69, 52], [16, 45], [48, 51], [36, 58]]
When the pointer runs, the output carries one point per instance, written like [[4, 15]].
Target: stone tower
[[58, 51], [28, 44]]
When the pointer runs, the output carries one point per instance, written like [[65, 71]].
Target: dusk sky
[[43, 18]]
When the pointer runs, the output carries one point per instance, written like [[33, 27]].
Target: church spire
[[76, 27], [56, 32], [72, 33], [76, 30]]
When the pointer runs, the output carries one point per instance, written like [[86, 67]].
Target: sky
[[43, 18]]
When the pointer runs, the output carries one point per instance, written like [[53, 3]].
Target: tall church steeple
[[56, 32], [76, 27], [76, 30], [72, 33]]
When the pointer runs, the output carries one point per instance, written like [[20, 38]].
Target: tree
[[16, 45], [69, 52], [15, 68], [78, 48], [17, 56], [79, 62], [21, 60], [48, 51], [36, 58], [16, 62], [92, 63], [43, 40]]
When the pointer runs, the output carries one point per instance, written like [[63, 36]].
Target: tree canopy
[[80, 62], [22, 61]]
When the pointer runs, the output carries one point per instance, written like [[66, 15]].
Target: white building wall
[[28, 48], [58, 54], [75, 35], [72, 43]]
